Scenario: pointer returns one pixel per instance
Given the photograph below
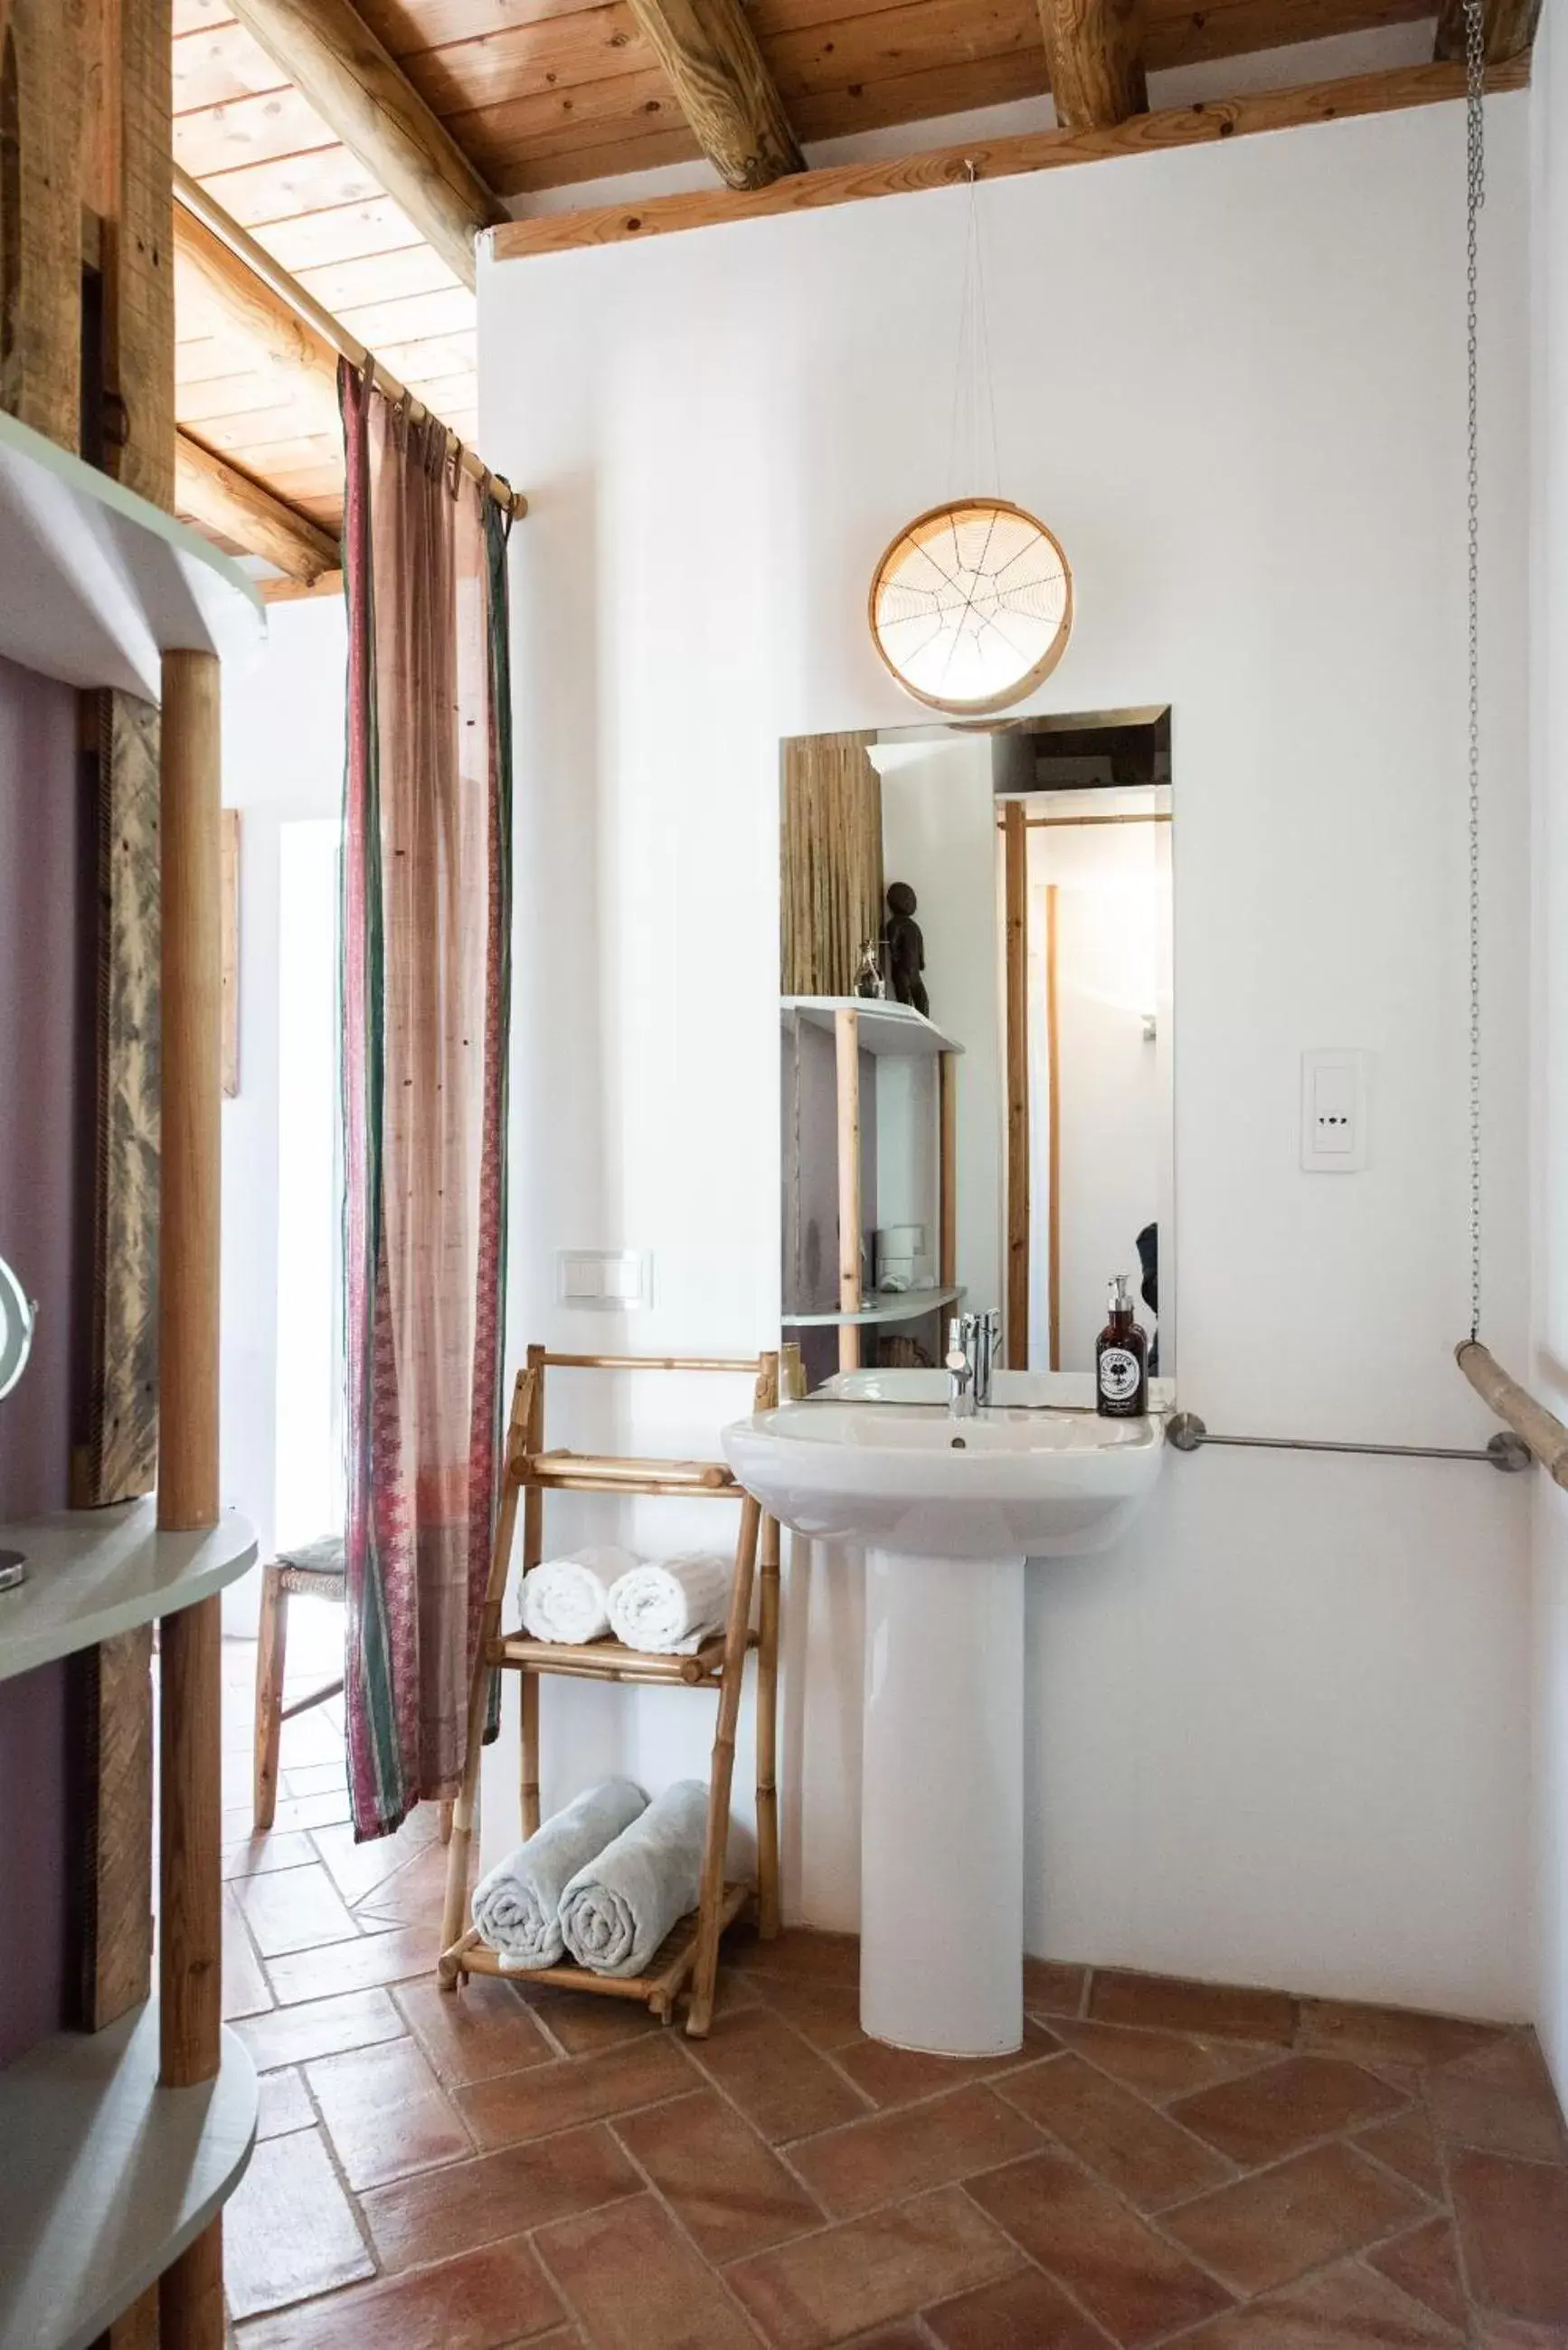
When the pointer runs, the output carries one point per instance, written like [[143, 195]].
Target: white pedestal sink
[[947, 1512]]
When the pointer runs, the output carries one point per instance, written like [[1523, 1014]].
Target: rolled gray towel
[[517, 1906], [616, 1912]]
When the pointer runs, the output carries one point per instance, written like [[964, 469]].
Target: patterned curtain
[[426, 910]]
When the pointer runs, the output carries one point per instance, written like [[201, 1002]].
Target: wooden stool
[[315, 1572]]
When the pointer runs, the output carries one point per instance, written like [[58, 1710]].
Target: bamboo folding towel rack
[[690, 1951]]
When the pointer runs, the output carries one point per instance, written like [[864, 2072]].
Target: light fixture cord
[[1475, 197], [974, 388]]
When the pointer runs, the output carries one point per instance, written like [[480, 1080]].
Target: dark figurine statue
[[905, 948]]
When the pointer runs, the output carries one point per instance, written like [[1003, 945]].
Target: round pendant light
[[971, 605]]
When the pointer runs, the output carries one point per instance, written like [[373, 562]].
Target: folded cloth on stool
[[668, 1608], [517, 1907], [568, 1599], [616, 1912]]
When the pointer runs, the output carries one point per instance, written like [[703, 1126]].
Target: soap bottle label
[[1121, 1374]]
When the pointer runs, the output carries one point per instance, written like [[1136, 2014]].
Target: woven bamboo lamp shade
[[971, 605]]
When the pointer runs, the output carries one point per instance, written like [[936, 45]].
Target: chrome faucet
[[972, 1342]]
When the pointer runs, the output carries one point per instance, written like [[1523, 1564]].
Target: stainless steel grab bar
[[1188, 1433]]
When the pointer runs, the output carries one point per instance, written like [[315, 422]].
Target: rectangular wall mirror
[[975, 981]]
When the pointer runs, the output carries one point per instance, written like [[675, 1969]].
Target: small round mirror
[[16, 1324]]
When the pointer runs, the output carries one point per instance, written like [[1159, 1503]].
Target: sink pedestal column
[[942, 1836]]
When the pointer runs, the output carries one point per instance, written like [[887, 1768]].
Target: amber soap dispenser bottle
[[1121, 1358]]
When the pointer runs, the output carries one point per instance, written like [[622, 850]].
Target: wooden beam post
[[1093, 59], [234, 505], [846, 1060], [335, 60], [1510, 30], [724, 87]]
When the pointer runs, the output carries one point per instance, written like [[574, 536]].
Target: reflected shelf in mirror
[[884, 1306], [885, 1026]]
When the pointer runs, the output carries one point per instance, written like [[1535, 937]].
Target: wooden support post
[[272, 1650], [946, 1169], [847, 1050], [768, 1918], [1054, 1139], [1016, 893], [191, 2295]]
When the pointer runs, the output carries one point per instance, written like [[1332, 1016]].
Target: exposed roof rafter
[[1510, 29], [234, 506], [724, 87], [1094, 53]]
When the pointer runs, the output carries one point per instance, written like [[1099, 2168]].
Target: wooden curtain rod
[[304, 306], [1540, 1429]]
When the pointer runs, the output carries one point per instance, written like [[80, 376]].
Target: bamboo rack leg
[[454, 1913], [271, 1650], [533, 1552], [528, 1787], [768, 1918]]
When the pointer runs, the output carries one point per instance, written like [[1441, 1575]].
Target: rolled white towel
[[670, 1609], [616, 1912], [517, 1907], [568, 1599]]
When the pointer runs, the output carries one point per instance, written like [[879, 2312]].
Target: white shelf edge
[[92, 1573], [121, 2176], [885, 1026], [902, 1305]]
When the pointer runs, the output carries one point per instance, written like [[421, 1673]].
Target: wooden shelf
[[95, 585], [92, 1573], [108, 2178], [609, 1660], [659, 1987], [885, 1027], [593, 1472], [892, 1306]]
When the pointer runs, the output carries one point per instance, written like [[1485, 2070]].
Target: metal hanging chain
[[1475, 197]]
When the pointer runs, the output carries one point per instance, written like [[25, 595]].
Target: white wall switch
[[1333, 1112], [611, 1281]]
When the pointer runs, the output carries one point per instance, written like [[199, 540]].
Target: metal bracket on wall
[[1506, 1451]]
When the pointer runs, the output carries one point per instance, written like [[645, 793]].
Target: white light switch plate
[[1335, 1139], [611, 1281]]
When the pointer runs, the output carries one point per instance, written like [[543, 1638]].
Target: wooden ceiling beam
[[1202, 125], [234, 505], [337, 63], [267, 332], [1509, 26], [1095, 58], [723, 86]]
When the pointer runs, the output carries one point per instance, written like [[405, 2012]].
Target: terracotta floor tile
[[562, 2095], [1407, 2145], [1501, 2101], [1266, 2229], [354, 1965], [583, 2021], [902, 2153], [1404, 2035], [284, 2105], [293, 1909], [828, 2287], [1268, 2114], [781, 2085], [802, 1955], [439, 2213], [1135, 2284], [318, 2028], [636, 2283], [357, 1868], [487, 2299], [827, 2014], [1345, 2308], [1171, 2005], [1513, 2225], [288, 2230], [1050, 1988], [310, 1737], [470, 2034], [1161, 2065], [293, 1812], [728, 2191], [1517, 2333], [1135, 2148], [897, 2077], [1426, 2264], [1026, 2311], [413, 1896], [385, 2113], [315, 1778], [245, 1990], [252, 1855]]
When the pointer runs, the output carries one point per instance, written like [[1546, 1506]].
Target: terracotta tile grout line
[[685, 2233]]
